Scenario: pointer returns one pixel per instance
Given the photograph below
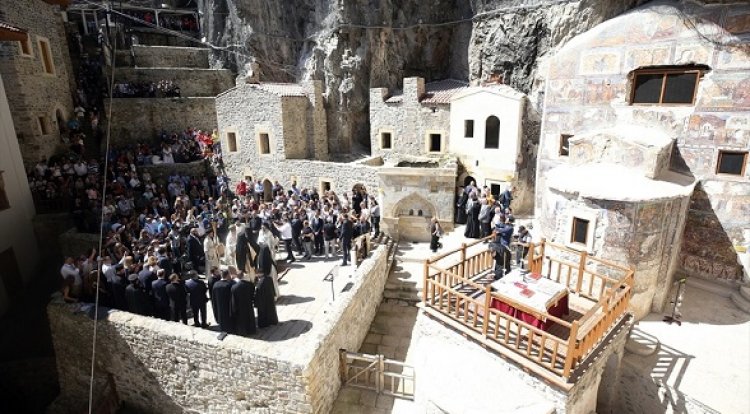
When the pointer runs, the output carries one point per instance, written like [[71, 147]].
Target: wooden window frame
[[46, 58], [562, 140], [664, 72], [573, 224], [44, 126], [744, 162]]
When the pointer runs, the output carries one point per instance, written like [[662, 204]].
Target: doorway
[[11, 276]]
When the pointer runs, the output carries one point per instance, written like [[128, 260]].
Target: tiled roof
[[282, 89], [439, 92], [10, 28]]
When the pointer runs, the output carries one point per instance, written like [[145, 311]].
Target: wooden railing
[[455, 289]]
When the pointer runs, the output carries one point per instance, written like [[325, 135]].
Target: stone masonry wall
[[346, 326], [137, 120], [170, 57], [294, 111], [192, 81], [167, 367], [408, 122], [31, 92], [588, 89]]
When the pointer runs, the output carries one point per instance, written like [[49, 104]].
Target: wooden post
[[530, 259], [487, 303], [342, 364], [462, 272], [581, 269], [381, 373], [426, 276], [572, 353], [541, 255]]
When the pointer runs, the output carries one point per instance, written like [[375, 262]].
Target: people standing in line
[[138, 300], [346, 238], [197, 290], [265, 301], [436, 231], [159, 292], [222, 300], [242, 305], [177, 299]]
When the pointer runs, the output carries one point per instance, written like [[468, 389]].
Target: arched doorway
[[468, 180], [267, 190], [492, 132], [413, 214]]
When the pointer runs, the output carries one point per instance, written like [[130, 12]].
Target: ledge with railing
[[457, 292]]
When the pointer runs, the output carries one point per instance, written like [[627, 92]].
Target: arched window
[[419, 213], [492, 132], [411, 212]]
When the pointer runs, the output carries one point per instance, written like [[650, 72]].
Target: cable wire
[[101, 227]]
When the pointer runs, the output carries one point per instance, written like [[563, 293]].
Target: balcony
[[457, 292]]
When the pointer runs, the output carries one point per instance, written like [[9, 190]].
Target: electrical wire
[[101, 228]]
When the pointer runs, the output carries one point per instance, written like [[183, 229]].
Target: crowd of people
[[484, 216], [199, 226], [161, 89]]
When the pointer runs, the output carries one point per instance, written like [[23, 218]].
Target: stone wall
[[444, 353], [294, 111], [193, 371], [170, 57], [192, 81], [141, 120], [31, 92], [152, 38], [588, 88], [408, 121]]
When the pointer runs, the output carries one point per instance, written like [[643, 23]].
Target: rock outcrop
[[353, 45]]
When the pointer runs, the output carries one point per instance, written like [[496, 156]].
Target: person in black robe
[[461, 207], [159, 292], [198, 299], [243, 312], [241, 251], [264, 301], [138, 300], [473, 227], [221, 299], [214, 277], [177, 299]]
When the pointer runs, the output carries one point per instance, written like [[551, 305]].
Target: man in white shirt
[[69, 269]]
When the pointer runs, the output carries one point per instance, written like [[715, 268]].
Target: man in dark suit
[[243, 312], [346, 238], [177, 299], [317, 227], [138, 300], [197, 290], [163, 260], [159, 292], [222, 300], [146, 277], [118, 285], [297, 226], [195, 250]]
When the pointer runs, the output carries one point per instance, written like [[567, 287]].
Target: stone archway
[[411, 216]]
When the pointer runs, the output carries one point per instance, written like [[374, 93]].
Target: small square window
[[4, 204], [469, 128], [565, 144], [325, 186], [43, 125], [385, 140], [264, 143], [232, 141], [46, 54], [580, 231], [25, 47], [495, 190], [433, 188], [435, 144], [732, 162]]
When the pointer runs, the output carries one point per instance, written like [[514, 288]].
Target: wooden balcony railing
[[456, 291]]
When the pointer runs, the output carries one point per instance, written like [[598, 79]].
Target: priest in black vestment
[[265, 302], [463, 198], [472, 223], [266, 265], [222, 302], [243, 311]]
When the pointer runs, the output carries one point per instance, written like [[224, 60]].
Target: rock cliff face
[[353, 45]]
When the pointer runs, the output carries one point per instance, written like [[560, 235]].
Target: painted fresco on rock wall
[[725, 91], [604, 91], [705, 129], [635, 58], [600, 62], [738, 131]]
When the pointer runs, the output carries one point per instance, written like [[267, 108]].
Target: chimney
[[253, 73], [413, 89]]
